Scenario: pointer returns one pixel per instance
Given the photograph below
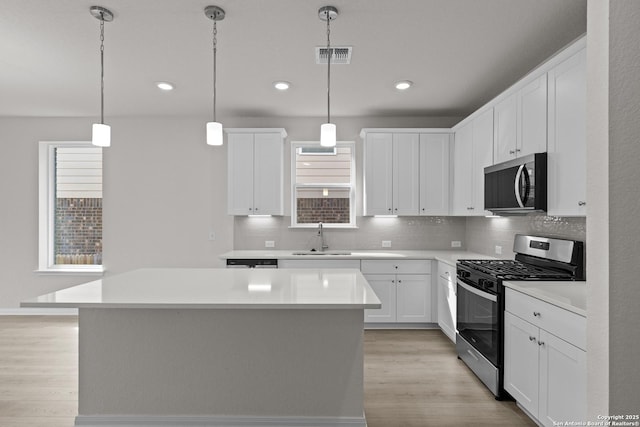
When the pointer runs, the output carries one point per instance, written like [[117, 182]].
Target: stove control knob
[[463, 274]]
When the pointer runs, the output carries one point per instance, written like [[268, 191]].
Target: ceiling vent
[[340, 55]]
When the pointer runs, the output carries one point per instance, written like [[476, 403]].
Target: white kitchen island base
[[207, 347], [229, 367]]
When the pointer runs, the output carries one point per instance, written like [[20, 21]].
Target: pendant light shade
[[328, 130], [101, 133], [214, 128], [328, 135], [214, 133]]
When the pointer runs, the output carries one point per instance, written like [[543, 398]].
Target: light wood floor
[[412, 378]]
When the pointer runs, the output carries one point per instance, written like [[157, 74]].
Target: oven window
[[477, 322]]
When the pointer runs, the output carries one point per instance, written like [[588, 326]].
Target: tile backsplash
[[403, 232], [477, 234]]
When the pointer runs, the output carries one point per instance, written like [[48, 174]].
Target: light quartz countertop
[[447, 256], [571, 296], [201, 288]]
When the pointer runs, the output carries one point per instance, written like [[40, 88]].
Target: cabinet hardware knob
[[512, 152], [250, 209], [393, 281], [536, 314], [423, 209], [399, 281], [581, 203], [396, 267], [532, 339], [389, 209], [517, 150], [540, 343]]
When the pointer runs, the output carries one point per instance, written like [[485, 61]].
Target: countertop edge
[[212, 306]]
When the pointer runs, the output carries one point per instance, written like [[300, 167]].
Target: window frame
[[46, 213], [352, 186]]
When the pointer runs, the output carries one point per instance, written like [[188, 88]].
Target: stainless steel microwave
[[517, 186]]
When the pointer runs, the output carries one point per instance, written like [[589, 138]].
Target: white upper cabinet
[[391, 171], [473, 151], [520, 124], [566, 161], [255, 171], [434, 173]]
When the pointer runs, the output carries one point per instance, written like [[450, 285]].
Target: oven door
[[477, 320]]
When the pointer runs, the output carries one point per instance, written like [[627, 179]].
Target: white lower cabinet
[[319, 263], [545, 373], [447, 299], [404, 289]]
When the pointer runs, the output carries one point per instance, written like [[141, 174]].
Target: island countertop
[[203, 288]]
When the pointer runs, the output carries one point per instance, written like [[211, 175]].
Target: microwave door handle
[[527, 185], [516, 186]]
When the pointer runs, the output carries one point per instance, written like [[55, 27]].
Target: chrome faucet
[[323, 244]]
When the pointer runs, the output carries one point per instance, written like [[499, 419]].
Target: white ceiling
[[459, 53]]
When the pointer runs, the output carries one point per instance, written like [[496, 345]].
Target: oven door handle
[[478, 292]]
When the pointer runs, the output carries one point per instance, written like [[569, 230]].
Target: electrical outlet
[[269, 244], [386, 243], [212, 235], [498, 250], [456, 244]]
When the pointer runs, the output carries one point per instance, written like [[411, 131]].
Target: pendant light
[[328, 130], [214, 128], [101, 133]]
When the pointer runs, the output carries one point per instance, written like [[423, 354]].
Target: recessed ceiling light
[[404, 85], [281, 85], [166, 86]]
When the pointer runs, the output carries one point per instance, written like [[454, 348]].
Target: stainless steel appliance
[[252, 263], [480, 305], [518, 186]]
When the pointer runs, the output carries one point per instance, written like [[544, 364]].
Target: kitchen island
[[220, 347]]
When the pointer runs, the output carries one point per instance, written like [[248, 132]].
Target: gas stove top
[[514, 269]]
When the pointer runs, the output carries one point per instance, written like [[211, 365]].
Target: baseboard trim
[[38, 311], [215, 421]]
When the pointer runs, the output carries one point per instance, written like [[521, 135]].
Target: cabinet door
[[462, 164], [378, 174], [506, 129], [240, 174], [384, 285], [413, 294], [406, 167], [532, 118], [566, 160], [482, 157], [446, 308], [563, 381], [521, 361], [268, 174], [434, 174]]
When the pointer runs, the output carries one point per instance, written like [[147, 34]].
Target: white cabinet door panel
[[240, 164], [268, 176], [385, 288], [446, 308], [378, 170], [413, 295], [482, 157], [532, 132], [506, 129], [406, 164], [434, 174], [462, 203], [521, 361], [563, 381]]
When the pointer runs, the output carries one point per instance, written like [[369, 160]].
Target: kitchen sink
[[321, 253]]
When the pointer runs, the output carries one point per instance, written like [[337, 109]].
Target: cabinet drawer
[[562, 323], [396, 267], [446, 271]]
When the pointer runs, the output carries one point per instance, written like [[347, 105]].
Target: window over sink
[[323, 184]]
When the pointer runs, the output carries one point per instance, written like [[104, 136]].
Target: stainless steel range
[[480, 306]]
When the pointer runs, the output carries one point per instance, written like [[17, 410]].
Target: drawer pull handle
[[540, 343], [532, 339], [536, 314]]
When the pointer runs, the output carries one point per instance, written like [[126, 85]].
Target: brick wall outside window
[[323, 209], [78, 231]]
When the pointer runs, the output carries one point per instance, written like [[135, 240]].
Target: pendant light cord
[[215, 50], [328, 68], [101, 68]]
